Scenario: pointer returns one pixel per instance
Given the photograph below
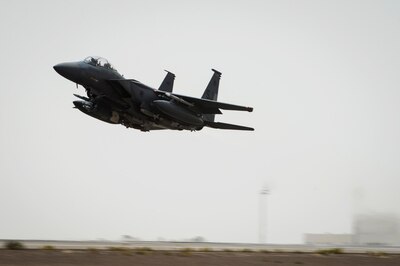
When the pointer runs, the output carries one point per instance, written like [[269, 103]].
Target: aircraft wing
[[204, 105], [212, 107], [118, 86]]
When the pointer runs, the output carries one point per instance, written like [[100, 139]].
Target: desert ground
[[31, 257]]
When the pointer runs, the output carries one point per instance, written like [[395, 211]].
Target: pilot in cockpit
[[99, 62], [93, 61]]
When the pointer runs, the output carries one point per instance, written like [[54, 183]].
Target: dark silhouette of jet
[[116, 100]]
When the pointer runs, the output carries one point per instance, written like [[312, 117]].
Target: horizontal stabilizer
[[226, 126]]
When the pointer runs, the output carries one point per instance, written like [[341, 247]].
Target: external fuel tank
[[178, 112]]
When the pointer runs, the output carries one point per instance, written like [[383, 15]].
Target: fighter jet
[[116, 100]]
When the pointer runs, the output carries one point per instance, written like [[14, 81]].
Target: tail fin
[[226, 126], [211, 92], [168, 82]]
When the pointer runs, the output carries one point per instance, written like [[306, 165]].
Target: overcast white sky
[[322, 76]]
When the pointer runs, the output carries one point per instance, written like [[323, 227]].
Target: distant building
[[382, 229], [328, 239], [368, 229]]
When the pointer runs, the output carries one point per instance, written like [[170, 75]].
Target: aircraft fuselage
[[114, 99]]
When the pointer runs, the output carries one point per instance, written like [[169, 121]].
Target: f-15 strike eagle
[[116, 100]]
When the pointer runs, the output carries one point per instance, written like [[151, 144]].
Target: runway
[[211, 246]]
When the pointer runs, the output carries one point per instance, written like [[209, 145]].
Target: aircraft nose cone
[[57, 68], [62, 68], [70, 71]]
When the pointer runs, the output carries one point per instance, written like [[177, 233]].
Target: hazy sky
[[322, 76]]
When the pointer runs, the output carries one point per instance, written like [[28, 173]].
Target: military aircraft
[[116, 100]]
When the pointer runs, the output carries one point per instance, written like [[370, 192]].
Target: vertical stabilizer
[[168, 82], [211, 92]]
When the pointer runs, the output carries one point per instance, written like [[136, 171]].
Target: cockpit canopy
[[99, 61]]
